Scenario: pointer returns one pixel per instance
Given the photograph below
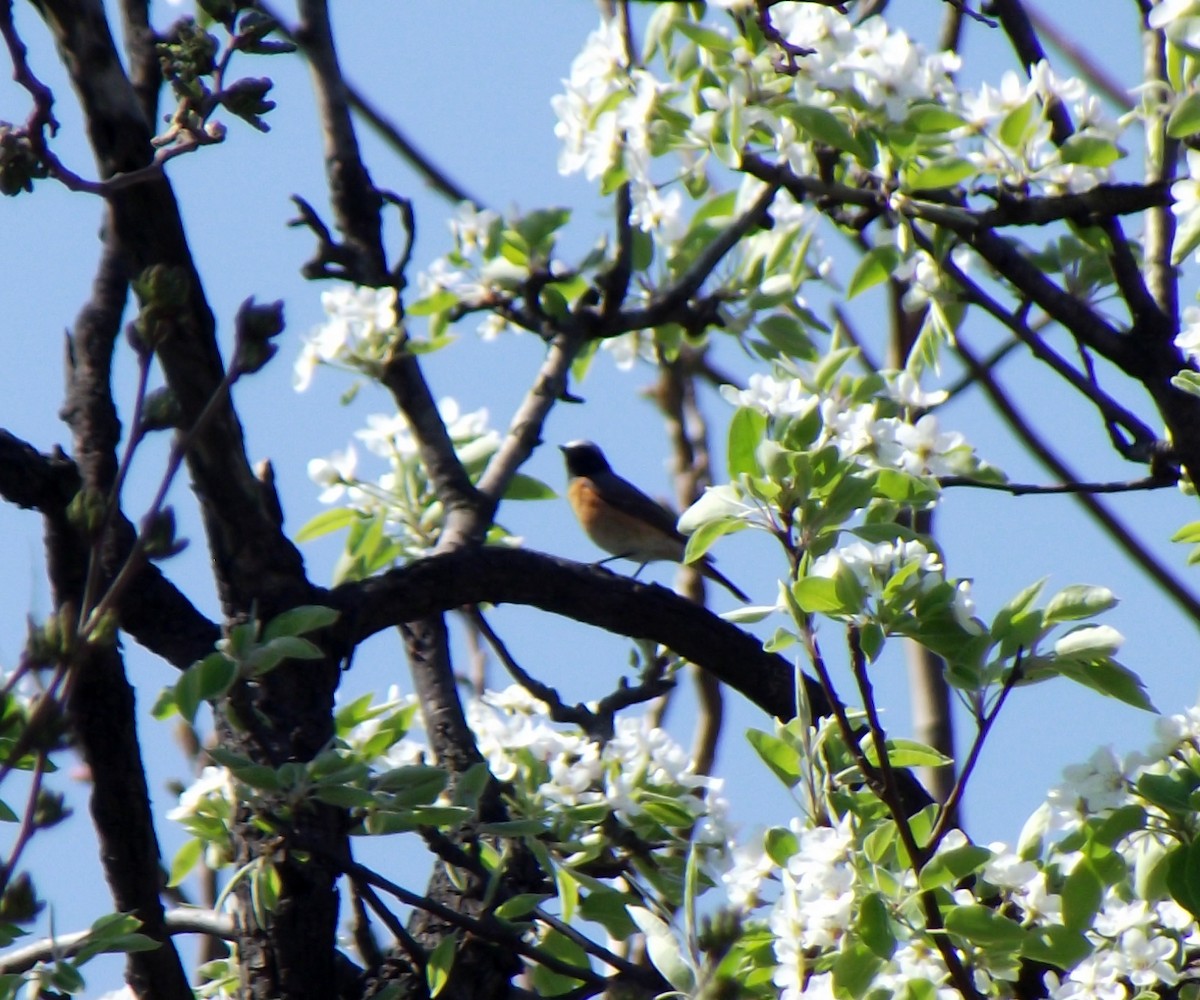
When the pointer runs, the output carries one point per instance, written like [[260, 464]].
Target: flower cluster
[[604, 118], [1088, 892], [360, 329], [873, 434], [567, 777], [400, 500]]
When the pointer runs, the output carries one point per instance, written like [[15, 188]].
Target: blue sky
[[470, 82]]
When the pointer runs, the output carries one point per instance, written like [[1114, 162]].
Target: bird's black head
[[584, 458]]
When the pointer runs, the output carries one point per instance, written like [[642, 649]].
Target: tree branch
[[179, 921], [588, 594]]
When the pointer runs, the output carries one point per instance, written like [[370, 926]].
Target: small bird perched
[[621, 519]]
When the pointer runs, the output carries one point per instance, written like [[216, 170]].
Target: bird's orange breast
[[617, 532]]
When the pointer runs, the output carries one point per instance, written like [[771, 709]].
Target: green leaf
[[1187, 381], [705, 536], [1185, 118], [854, 970], [930, 119], [819, 594], [1079, 601], [1016, 622], [877, 266], [440, 963], [781, 757], [826, 127], [515, 828], [1119, 824], [521, 905], [185, 860], [1189, 533], [471, 784], [206, 680], [344, 796], [1109, 678], [780, 843], [413, 784], [906, 753], [1082, 894], [665, 951], [953, 865], [440, 816], [874, 926], [608, 908], [1090, 151], [67, 978], [549, 984], [164, 706], [1187, 237], [903, 487], [787, 335], [300, 620], [985, 928], [523, 487], [568, 892], [746, 430], [439, 301], [1019, 124], [1171, 792], [1183, 876], [327, 521], [1059, 946], [943, 173], [126, 944], [287, 647], [706, 38]]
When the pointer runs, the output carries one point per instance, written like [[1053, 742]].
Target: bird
[[621, 519]]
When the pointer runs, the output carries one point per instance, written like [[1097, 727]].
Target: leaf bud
[[19, 903], [161, 410], [158, 535]]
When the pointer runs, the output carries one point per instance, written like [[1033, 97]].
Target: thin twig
[[90, 619], [1151, 482], [933, 914], [1099, 77], [488, 928], [948, 810], [1119, 532], [410, 945]]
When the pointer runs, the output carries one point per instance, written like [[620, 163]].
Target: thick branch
[[356, 202], [587, 594], [254, 561]]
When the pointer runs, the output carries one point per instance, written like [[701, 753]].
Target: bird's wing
[[628, 499]]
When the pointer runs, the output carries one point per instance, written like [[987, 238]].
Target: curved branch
[[588, 594]]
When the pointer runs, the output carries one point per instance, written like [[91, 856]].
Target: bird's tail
[[709, 570]]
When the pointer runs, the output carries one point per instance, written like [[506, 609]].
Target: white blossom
[[774, 397], [358, 325], [335, 473], [1188, 340]]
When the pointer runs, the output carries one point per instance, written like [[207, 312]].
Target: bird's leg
[[619, 555]]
